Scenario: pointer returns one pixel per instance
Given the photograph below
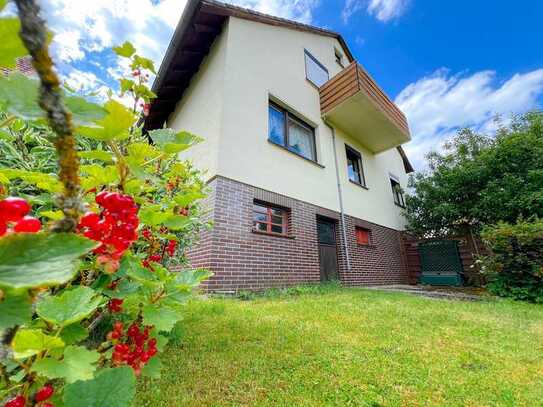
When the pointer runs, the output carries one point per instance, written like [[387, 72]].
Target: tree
[[480, 180]]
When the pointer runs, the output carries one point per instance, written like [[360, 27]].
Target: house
[[303, 151]]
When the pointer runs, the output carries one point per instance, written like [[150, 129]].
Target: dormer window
[[315, 72]]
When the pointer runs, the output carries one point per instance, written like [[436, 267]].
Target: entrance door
[[326, 231]]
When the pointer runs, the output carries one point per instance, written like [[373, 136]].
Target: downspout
[[340, 197]]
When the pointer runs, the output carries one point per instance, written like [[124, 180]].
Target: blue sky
[[447, 64]]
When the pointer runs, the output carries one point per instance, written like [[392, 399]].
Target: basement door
[[326, 232]]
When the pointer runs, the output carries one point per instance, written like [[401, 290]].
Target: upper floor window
[[339, 57], [315, 72], [354, 166], [397, 191], [291, 132], [269, 219]]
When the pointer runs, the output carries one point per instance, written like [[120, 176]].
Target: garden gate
[[440, 262]]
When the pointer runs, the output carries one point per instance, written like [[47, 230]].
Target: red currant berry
[[47, 405], [13, 209], [44, 393], [19, 401], [3, 228], [118, 326], [100, 197], [89, 220], [28, 224]]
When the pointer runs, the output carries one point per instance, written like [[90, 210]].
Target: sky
[[447, 64]]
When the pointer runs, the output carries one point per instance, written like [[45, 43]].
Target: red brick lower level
[[243, 260]]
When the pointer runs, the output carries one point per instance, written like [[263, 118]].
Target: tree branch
[[34, 36]]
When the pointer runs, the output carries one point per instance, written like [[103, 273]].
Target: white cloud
[[299, 10], [438, 105], [383, 10]]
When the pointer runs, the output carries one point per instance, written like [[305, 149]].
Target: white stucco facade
[[227, 104]]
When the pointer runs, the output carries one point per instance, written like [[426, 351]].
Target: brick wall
[[244, 260]]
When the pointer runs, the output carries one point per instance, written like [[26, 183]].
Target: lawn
[[353, 347]]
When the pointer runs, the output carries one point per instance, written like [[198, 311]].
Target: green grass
[[353, 347]]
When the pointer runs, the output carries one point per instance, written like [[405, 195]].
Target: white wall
[[255, 61], [200, 109]]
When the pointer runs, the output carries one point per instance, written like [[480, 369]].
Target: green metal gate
[[440, 263]]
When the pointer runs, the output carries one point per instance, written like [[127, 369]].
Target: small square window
[[362, 236], [269, 219]]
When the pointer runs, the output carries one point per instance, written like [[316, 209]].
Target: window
[[339, 57], [269, 219], [362, 236], [397, 192], [315, 72], [288, 131], [354, 166]]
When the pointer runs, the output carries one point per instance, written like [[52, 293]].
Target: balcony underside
[[352, 102]]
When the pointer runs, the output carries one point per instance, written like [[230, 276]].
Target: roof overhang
[[202, 21]]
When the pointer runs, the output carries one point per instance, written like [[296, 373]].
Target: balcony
[[352, 102]]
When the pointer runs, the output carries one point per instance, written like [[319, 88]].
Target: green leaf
[[53, 215], [29, 342], [15, 309], [32, 260], [126, 85], [137, 272], [20, 95], [3, 4], [111, 388], [78, 364], [47, 182], [153, 368], [83, 111], [74, 333], [192, 278], [176, 222], [153, 215], [114, 126], [144, 63], [163, 318], [11, 46], [99, 155], [188, 198], [126, 50], [172, 142], [69, 307]]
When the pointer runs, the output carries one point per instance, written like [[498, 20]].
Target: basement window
[[269, 219], [362, 236]]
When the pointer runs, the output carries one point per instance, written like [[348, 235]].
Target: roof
[[199, 26], [201, 23]]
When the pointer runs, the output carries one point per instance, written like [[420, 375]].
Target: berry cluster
[[134, 347], [45, 393], [172, 244], [115, 227], [13, 217], [115, 305]]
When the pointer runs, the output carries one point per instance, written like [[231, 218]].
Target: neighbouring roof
[[199, 26], [202, 21]]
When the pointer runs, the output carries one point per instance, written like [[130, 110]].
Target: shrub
[[515, 267]]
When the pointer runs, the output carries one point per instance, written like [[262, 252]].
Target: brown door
[[326, 232]]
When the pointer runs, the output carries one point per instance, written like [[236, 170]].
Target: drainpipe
[[340, 197]]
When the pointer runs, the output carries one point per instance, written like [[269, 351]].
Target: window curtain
[[301, 140]]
